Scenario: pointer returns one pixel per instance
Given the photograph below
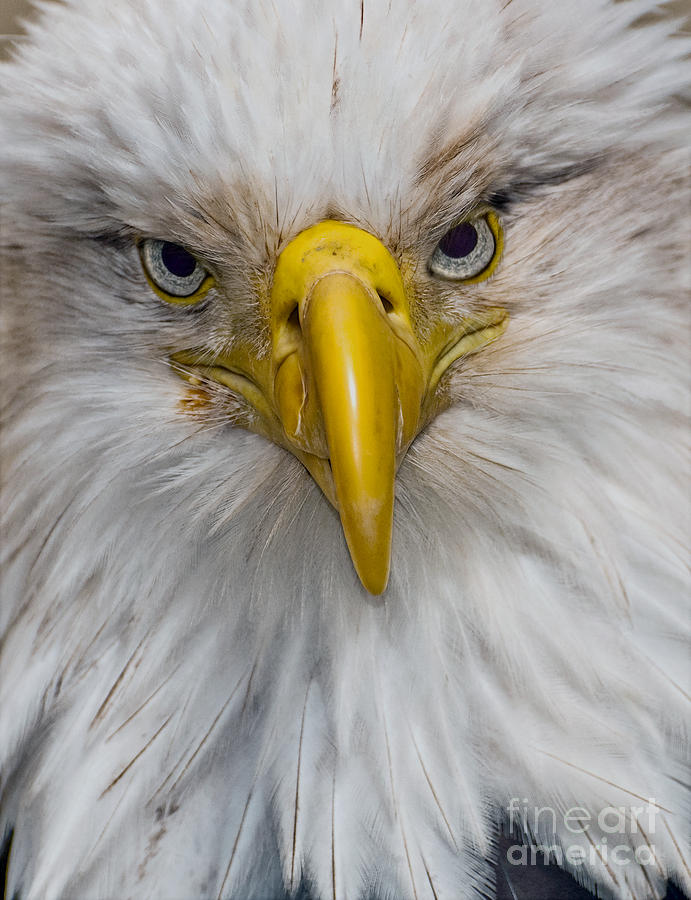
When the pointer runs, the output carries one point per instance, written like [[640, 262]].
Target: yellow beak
[[351, 360], [349, 383], [348, 380]]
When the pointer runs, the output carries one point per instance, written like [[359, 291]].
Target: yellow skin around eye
[[498, 234], [191, 300]]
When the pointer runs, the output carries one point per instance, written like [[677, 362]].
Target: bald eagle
[[345, 499]]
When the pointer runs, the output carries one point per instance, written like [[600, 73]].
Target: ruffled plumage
[[197, 696]]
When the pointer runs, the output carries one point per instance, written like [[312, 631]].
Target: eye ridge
[[172, 271]]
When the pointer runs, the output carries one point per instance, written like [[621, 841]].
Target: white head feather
[[197, 696]]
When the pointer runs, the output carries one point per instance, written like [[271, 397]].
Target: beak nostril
[[294, 319], [386, 303]]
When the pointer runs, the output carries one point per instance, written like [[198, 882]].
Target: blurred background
[[11, 12]]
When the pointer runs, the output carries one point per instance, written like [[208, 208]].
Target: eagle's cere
[[344, 479]]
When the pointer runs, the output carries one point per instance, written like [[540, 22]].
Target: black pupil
[[177, 260], [459, 242]]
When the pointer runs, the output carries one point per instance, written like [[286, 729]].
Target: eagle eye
[[172, 270], [469, 251]]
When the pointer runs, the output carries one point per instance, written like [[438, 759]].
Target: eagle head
[[344, 394]]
